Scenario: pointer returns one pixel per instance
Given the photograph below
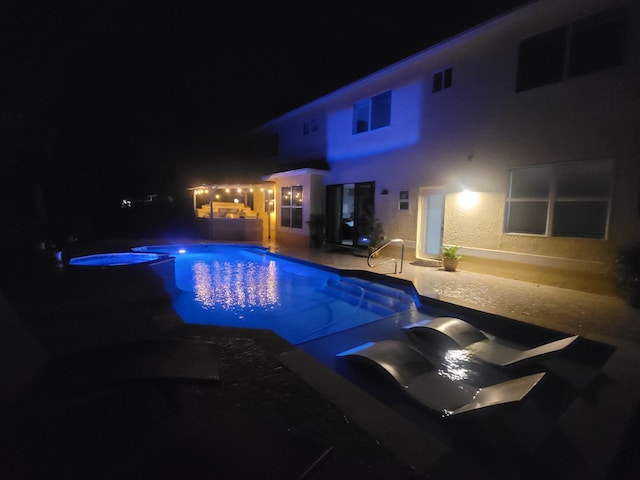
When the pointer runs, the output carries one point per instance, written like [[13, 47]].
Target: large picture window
[[372, 113], [584, 46], [291, 206], [541, 59], [569, 200]]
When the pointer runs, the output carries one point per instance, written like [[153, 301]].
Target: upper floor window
[[310, 126], [291, 206], [569, 200], [584, 46], [541, 59], [442, 80], [372, 113], [598, 42]]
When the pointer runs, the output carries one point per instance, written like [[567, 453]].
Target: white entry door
[[430, 222]]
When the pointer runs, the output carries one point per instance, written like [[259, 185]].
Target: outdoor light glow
[[217, 196], [468, 199], [235, 200], [407, 114], [182, 250], [227, 190]]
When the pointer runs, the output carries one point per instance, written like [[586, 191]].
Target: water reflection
[[454, 365], [235, 285]]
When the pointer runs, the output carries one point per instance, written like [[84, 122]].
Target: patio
[[276, 412]]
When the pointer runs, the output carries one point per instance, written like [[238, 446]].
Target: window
[[373, 113], [310, 126], [291, 206], [584, 46], [571, 200], [442, 80], [541, 59], [597, 42], [403, 202]]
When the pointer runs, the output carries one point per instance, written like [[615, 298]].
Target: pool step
[[380, 299]]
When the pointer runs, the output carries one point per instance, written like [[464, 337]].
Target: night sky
[[136, 96]]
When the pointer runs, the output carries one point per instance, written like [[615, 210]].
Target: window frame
[[290, 209], [442, 80], [310, 126], [581, 47], [555, 201], [372, 113], [404, 204]]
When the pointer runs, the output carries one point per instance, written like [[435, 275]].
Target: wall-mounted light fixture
[[384, 192], [467, 198]]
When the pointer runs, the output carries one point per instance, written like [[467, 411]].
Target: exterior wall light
[[468, 199]]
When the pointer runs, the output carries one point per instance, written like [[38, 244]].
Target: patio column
[[210, 212]]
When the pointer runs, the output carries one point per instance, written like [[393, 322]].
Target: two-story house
[[518, 140]]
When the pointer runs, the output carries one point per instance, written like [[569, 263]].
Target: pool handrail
[[375, 251]]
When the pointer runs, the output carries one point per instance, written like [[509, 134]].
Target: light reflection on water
[[454, 365], [235, 285], [231, 286]]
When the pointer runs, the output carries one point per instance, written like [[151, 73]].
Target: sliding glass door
[[346, 203]]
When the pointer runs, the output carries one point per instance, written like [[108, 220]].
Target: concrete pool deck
[[274, 412], [599, 317]]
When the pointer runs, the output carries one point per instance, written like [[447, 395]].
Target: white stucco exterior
[[468, 136]]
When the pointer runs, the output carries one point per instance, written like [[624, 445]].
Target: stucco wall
[[469, 135], [480, 227], [312, 183]]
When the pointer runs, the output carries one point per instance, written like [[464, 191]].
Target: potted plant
[[627, 273], [450, 258], [317, 223]]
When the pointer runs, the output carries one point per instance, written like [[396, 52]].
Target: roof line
[[403, 62]]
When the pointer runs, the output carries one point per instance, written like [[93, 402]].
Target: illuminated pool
[[116, 259], [230, 285]]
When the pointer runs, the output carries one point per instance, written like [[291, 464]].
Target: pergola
[[235, 193]]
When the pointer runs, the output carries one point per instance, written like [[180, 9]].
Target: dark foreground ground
[[101, 379]]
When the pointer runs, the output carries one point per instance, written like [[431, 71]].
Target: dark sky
[[138, 94]]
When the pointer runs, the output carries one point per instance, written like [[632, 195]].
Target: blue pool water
[[249, 287], [114, 259]]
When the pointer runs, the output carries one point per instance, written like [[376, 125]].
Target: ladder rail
[[384, 245]]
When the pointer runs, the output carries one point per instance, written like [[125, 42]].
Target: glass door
[[430, 222], [364, 211], [346, 203]]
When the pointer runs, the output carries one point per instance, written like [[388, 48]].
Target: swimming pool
[[240, 286]]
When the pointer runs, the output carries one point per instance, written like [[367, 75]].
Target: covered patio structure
[[234, 211]]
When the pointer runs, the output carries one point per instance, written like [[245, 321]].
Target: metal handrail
[[391, 259]]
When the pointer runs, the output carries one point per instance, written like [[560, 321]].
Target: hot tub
[[116, 259], [134, 270]]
